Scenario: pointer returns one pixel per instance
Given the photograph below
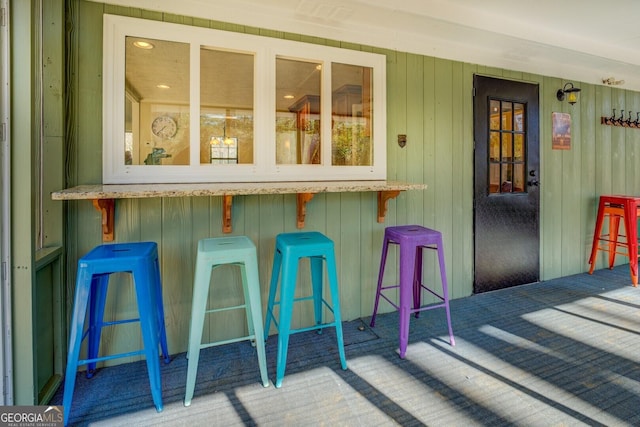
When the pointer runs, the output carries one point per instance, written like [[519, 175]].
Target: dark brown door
[[506, 187]]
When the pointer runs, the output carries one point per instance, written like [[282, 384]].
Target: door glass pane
[[494, 114], [506, 186], [226, 107], [156, 102], [506, 116], [518, 117], [518, 148], [507, 151], [351, 107], [494, 146], [494, 178], [518, 177], [298, 111]]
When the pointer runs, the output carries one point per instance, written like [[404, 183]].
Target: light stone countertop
[[133, 191]]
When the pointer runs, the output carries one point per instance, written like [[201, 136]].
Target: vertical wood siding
[[428, 99]]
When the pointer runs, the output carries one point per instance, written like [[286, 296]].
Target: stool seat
[[140, 259], [290, 249], [215, 252], [412, 239]]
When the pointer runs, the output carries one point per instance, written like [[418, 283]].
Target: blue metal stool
[[290, 248], [412, 239], [141, 260], [212, 253]]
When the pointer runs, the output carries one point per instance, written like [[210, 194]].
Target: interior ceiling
[[580, 40]]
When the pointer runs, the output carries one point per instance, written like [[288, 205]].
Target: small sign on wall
[[561, 137]]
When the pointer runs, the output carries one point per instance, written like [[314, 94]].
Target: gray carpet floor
[[565, 352]]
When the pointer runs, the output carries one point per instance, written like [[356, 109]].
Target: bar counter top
[[133, 191]]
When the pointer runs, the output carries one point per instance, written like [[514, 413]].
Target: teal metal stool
[[290, 249], [94, 269], [212, 253]]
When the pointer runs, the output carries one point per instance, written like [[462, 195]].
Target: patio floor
[[565, 352]]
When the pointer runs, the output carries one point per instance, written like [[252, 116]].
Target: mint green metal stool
[[212, 253], [290, 249]]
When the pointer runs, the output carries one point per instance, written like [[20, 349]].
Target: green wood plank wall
[[428, 99]]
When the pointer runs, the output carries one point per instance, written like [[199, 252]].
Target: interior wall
[[429, 100]]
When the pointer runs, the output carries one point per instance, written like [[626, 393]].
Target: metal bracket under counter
[[104, 196]]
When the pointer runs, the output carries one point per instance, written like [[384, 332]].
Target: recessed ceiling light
[[143, 44], [161, 86]]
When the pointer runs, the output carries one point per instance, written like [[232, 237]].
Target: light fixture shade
[[571, 93]]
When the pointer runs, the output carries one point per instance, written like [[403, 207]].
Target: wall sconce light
[[571, 93]]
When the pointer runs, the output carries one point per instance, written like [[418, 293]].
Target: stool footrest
[[323, 301], [217, 310], [110, 357], [112, 323], [396, 306], [432, 292], [229, 341], [427, 307], [312, 328]]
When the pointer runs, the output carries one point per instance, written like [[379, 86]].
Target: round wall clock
[[164, 127]]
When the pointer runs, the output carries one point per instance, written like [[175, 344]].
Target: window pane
[[156, 102], [226, 107], [351, 105], [298, 92]]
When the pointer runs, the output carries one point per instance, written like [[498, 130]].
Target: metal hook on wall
[[615, 120]]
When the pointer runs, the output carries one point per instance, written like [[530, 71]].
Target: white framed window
[[191, 104]]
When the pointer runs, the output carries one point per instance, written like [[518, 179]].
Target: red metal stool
[[412, 240], [617, 208]]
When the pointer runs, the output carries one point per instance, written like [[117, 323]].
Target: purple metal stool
[[412, 240]]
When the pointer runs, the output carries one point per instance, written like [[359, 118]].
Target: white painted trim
[[265, 50]]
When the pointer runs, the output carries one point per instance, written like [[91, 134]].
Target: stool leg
[[335, 302], [407, 274], [149, 326], [287, 290], [83, 286], [383, 260], [251, 285], [160, 311], [417, 281], [631, 231], [614, 229], [596, 237], [273, 287], [201, 282], [316, 283], [445, 289], [97, 301]]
